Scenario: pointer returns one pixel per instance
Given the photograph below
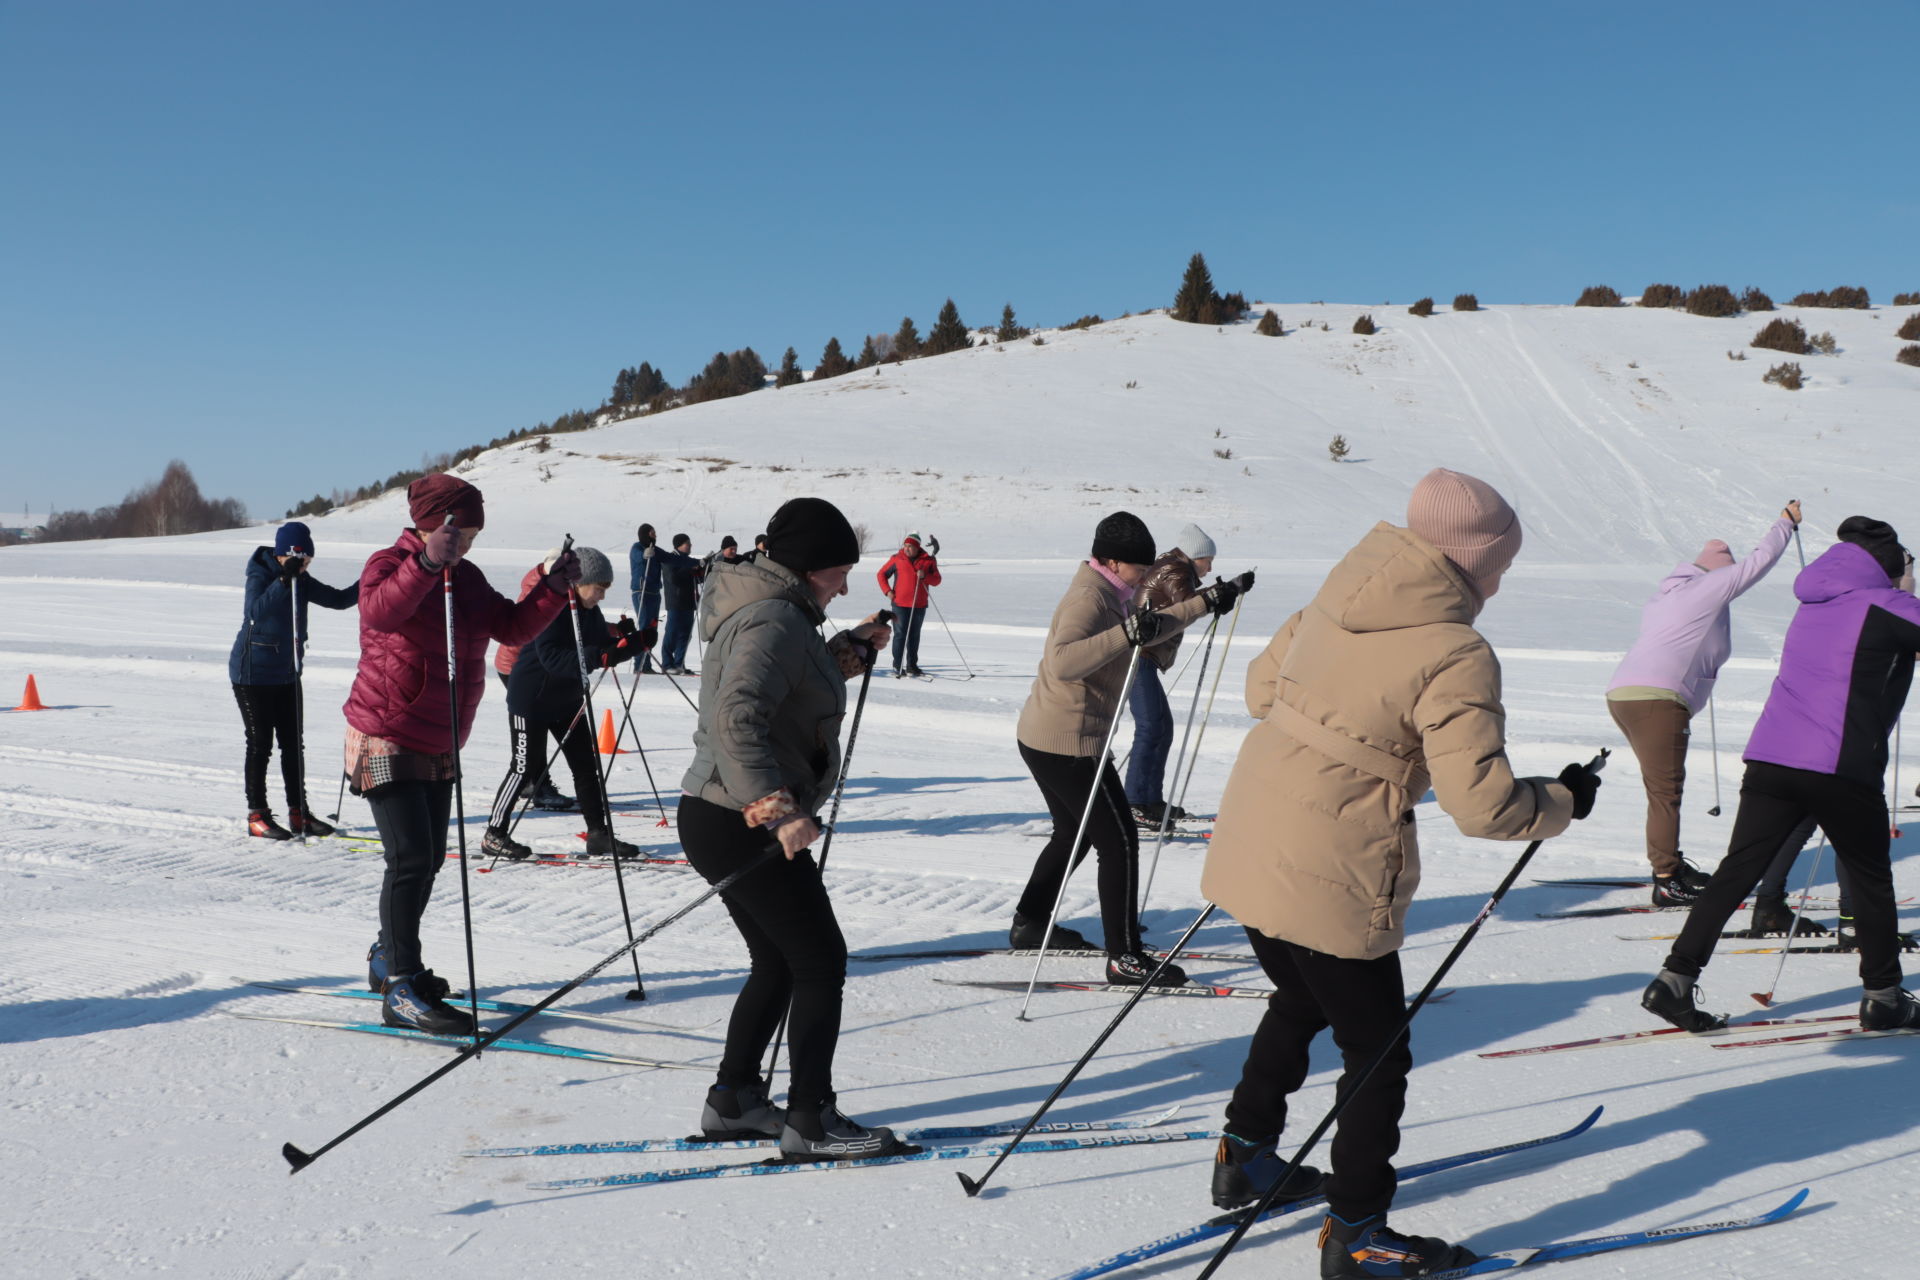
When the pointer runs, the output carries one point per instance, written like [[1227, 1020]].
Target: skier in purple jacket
[[1820, 750]]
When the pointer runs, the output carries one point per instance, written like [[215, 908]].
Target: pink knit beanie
[[1469, 522], [1715, 555]]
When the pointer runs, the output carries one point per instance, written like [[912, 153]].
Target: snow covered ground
[[143, 1125]]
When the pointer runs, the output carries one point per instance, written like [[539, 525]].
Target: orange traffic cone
[[609, 744], [30, 700]]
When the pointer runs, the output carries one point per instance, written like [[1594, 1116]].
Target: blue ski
[[1515, 1258], [758, 1168], [508, 1045], [1225, 1223], [945, 1132]]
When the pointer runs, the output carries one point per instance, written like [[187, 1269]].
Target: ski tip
[[1593, 1118], [295, 1157], [971, 1187], [1799, 1198]]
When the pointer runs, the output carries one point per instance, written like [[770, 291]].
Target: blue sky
[[300, 246]]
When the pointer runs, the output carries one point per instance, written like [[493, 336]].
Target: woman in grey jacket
[[766, 753]]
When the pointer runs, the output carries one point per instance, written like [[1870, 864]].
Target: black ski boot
[[601, 842], [498, 844], [1148, 816], [740, 1112], [301, 822], [419, 1002], [548, 799], [1889, 1009], [1671, 996], [1243, 1170], [1369, 1247], [376, 967], [1847, 940], [828, 1135], [1026, 935], [260, 823], [1681, 889], [1133, 968], [1772, 916]]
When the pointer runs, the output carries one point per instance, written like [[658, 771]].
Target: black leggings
[[1773, 800], [1065, 782], [271, 711], [1774, 883], [528, 764], [412, 817], [536, 769], [1364, 1001], [798, 957]]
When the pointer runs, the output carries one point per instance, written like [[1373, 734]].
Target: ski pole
[[459, 796], [1786, 948], [1086, 819], [1893, 806], [639, 991], [626, 721], [974, 1186], [1713, 731], [949, 631], [833, 812], [1340, 1103], [526, 800], [1797, 548], [301, 1159], [1218, 671], [694, 706], [299, 728], [1166, 809]]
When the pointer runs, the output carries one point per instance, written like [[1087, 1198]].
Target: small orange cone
[[609, 744], [30, 700]]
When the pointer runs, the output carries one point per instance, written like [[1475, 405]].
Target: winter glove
[[293, 568], [1221, 596], [442, 548], [1146, 626], [1585, 785], [623, 627], [565, 572], [921, 568]]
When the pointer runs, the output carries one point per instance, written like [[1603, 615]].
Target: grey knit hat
[[1194, 541], [595, 568]]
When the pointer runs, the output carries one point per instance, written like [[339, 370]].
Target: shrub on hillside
[[1755, 300], [1906, 299], [1712, 300], [1909, 354], [1824, 343], [1338, 449], [1782, 334], [1785, 375], [1084, 322], [1465, 302], [1364, 325], [1853, 297], [1662, 295], [1424, 307], [1269, 325], [1909, 328], [1598, 295]]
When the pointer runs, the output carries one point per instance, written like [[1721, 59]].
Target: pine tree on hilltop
[[869, 357], [1196, 302], [906, 339], [649, 382], [789, 370], [1008, 330], [947, 334], [833, 362]]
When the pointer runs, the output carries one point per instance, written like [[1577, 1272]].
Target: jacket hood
[[1843, 567], [1682, 574], [1392, 579], [749, 580]]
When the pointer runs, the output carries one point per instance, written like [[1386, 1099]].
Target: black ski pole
[[682, 692], [1340, 1103], [299, 726], [639, 991], [301, 1159], [459, 797], [974, 1185]]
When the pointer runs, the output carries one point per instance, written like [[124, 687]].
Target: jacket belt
[[1383, 765]]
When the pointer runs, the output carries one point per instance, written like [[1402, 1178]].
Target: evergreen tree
[[1269, 325], [1008, 330], [1196, 302], [648, 382], [906, 339], [789, 370], [947, 334], [622, 388], [869, 356], [833, 362]]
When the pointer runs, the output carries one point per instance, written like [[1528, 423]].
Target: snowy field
[[143, 1124]]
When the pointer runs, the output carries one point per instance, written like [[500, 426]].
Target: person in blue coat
[[643, 579], [266, 675]]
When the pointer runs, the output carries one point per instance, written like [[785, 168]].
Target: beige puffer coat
[[1375, 690], [1077, 690]]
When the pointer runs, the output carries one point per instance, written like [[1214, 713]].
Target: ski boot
[[1847, 940], [260, 823], [1369, 1247], [1133, 968], [1670, 996], [548, 798], [826, 1134], [498, 844], [601, 842], [376, 967], [1245, 1168], [302, 823], [1772, 916], [1027, 935], [418, 1001], [1889, 1009], [740, 1112], [1148, 816], [913, 669]]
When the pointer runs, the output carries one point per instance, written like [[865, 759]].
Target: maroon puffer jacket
[[400, 690]]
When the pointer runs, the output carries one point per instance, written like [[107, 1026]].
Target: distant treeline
[[172, 504]]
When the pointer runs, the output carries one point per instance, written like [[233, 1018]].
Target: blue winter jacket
[[643, 570], [263, 650]]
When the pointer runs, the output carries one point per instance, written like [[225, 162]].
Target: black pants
[[1066, 781], [1364, 1002], [1774, 883], [1773, 800], [536, 769], [271, 711], [798, 956], [412, 817], [528, 763]]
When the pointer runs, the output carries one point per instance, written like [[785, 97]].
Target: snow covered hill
[[144, 1124]]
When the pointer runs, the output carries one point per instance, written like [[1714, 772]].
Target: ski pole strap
[[1351, 752]]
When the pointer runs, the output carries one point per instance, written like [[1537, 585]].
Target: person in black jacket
[[680, 576], [265, 676], [545, 696]]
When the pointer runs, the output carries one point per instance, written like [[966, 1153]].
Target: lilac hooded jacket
[[1685, 630], [1844, 670]]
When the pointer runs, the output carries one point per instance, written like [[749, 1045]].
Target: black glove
[[623, 627], [1221, 596], [646, 637], [293, 567], [1146, 626], [565, 572], [1585, 785]]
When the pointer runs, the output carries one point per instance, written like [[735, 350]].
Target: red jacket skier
[[913, 570]]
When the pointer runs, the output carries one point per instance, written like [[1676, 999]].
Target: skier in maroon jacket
[[400, 734], [907, 579]]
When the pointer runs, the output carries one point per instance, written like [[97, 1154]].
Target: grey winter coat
[[772, 694]]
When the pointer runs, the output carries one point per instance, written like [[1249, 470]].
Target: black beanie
[[810, 533], [1877, 539], [1123, 537]]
